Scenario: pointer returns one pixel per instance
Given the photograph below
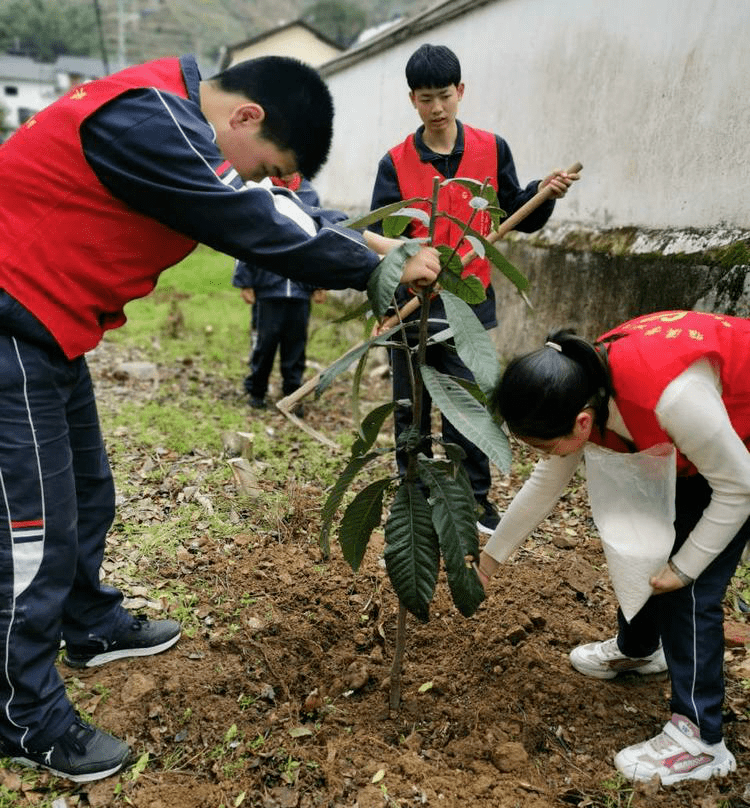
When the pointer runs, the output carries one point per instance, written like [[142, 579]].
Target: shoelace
[[139, 622], [76, 737], [662, 743]]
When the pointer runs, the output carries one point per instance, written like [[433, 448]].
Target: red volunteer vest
[[658, 347], [479, 162], [70, 252]]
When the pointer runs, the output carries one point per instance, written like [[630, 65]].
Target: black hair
[[297, 103], [432, 66], [540, 393]]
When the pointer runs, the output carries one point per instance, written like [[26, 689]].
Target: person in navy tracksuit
[[280, 316], [101, 191]]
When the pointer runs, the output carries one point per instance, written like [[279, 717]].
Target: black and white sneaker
[[143, 638], [487, 516], [82, 754]]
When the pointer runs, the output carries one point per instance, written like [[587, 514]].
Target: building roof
[[81, 65], [272, 32], [24, 67], [437, 14], [20, 68]]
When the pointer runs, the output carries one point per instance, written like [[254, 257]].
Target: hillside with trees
[[146, 29]]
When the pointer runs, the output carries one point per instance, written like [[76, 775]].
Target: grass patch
[[190, 424]]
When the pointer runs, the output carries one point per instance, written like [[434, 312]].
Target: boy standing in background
[[280, 317], [445, 148]]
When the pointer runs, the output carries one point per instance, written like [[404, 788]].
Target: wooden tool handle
[[287, 403], [505, 227]]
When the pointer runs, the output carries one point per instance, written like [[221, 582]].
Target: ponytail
[[540, 393]]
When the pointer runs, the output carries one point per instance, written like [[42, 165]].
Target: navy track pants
[[281, 324], [690, 621], [443, 358], [56, 507]]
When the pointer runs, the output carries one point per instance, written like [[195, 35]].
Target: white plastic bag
[[632, 500]]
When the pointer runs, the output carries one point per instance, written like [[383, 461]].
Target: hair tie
[[550, 344]]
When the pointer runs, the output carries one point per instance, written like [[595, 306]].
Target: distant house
[[27, 86], [295, 39]]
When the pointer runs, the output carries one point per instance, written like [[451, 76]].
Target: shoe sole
[[610, 674], [124, 653], [595, 674], [488, 531], [723, 770], [598, 673], [76, 778]]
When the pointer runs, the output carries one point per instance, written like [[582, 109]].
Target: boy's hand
[[380, 244], [248, 295], [558, 182], [422, 268]]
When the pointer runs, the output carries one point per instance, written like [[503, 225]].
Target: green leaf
[[380, 213], [486, 192], [387, 275], [355, 313], [476, 245], [468, 416], [454, 452], [359, 520], [331, 505], [339, 366], [370, 427], [416, 213], [450, 260], [343, 362], [496, 258], [394, 226], [493, 255], [469, 288], [473, 342], [412, 556], [441, 336], [454, 518], [300, 732], [356, 381], [497, 214], [473, 185]]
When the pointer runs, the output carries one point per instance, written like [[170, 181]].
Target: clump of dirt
[[280, 699]]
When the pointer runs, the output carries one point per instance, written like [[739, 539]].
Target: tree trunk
[[398, 655]]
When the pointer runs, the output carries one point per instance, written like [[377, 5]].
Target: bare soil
[[280, 698]]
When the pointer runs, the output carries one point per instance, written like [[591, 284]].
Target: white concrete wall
[[650, 95]]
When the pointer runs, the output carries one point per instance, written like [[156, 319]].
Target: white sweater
[[691, 412]]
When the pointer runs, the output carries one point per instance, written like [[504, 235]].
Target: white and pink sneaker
[[676, 754]]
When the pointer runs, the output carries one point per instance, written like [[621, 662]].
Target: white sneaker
[[676, 754], [604, 660]]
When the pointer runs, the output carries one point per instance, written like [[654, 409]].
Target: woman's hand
[[485, 568], [667, 580]]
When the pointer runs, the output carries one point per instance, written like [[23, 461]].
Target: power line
[[100, 27]]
